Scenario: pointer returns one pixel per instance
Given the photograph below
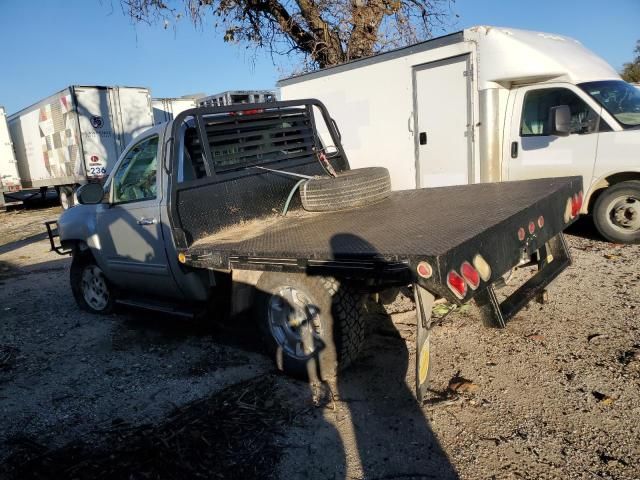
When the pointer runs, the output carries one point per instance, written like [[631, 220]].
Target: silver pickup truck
[[254, 208]]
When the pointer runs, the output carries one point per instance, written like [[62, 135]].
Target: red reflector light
[[424, 270], [457, 284], [576, 204], [521, 234], [532, 227], [470, 274], [540, 221]]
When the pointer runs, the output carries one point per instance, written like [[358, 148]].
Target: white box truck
[[9, 178], [165, 109], [76, 135], [491, 104]]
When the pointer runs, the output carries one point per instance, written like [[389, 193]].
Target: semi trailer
[[165, 109], [9, 178], [481, 105], [76, 135]]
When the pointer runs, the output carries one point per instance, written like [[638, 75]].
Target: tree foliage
[[631, 71], [324, 32]]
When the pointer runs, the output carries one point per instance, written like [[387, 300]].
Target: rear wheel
[[313, 326], [616, 212], [91, 289]]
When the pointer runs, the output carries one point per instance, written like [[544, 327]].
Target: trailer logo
[[96, 121]]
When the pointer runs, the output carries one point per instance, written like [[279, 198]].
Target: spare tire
[[349, 189]]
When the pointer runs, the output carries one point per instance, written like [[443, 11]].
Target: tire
[[91, 289], [331, 309], [350, 189], [616, 212], [66, 197]]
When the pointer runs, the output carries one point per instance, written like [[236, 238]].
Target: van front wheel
[[616, 212]]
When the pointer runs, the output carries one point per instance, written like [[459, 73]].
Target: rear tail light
[[482, 267], [540, 221], [521, 234], [576, 204], [532, 227], [470, 274], [457, 284]]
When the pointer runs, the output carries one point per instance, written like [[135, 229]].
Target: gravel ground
[[554, 395]]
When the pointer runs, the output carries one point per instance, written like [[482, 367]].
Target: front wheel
[[313, 326], [91, 289], [616, 213]]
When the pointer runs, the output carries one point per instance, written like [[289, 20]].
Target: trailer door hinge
[[468, 73]]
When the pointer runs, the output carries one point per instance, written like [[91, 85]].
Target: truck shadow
[[387, 434]]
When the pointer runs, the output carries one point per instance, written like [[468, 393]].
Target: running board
[[169, 309]]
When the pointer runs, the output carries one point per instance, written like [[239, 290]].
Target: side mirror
[[90, 194], [560, 121]]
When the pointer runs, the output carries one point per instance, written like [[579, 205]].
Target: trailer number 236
[[97, 170]]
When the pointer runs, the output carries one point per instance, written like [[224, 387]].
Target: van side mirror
[[90, 194], [560, 121]]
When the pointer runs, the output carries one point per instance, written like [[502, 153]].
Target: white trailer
[[231, 97], [165, 109], [9, 178], [491, 104], [76, 135]]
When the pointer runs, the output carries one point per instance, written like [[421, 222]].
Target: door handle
[[423, 138], [514, 149], [147, 221]]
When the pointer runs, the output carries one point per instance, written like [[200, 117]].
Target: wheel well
[[609, 181]]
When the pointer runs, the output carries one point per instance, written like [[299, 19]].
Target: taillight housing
[[457, 284], [532, 227], [424, 270], [521, 234], [482, 266]]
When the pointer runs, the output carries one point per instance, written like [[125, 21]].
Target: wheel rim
[[94, 288], [295, 323], [624, 213]]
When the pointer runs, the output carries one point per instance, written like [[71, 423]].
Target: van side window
[[135, 179], [536, 107]]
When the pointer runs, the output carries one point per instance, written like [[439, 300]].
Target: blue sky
[[50, 44]]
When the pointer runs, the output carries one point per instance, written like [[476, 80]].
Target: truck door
[[531, 152], [444, 123], [129, 226]]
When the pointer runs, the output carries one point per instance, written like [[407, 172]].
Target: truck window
[[135, 178], [536, 106]]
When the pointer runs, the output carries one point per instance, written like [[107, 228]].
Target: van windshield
[[619, 98]]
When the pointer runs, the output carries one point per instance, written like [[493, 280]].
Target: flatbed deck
[[410, 224]]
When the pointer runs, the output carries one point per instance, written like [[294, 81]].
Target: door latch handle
[[147, 221], [423, 138], [514, 149]]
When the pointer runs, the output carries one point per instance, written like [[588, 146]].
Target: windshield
[[619, 98]]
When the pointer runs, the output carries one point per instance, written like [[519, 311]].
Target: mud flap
[[424, 303]]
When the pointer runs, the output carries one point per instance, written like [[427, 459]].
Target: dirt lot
[[555, 395]]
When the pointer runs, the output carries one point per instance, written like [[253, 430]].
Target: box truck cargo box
[[491, 104], [165, 109], [76, 135]]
